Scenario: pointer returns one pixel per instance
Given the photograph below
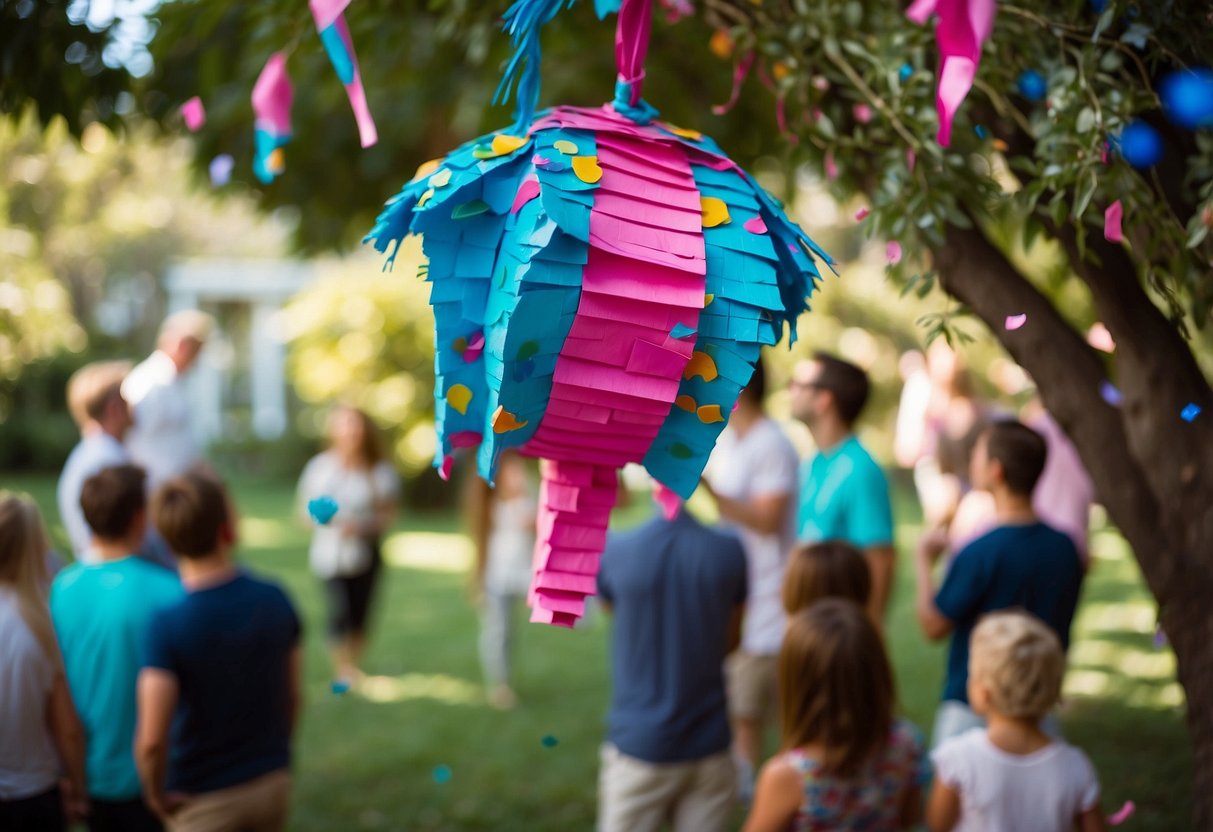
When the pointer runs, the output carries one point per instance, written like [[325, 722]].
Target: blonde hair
[[92, 386], [835, 686], [23, 548], [1020, 661]]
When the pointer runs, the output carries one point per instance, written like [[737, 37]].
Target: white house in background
[[242, 371]]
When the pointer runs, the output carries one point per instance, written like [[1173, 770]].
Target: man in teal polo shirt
[[102, 612], [843, 492]]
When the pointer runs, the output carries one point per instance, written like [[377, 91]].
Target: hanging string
[[632, 45]]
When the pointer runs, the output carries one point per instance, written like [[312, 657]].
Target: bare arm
[[157, 699], [881, 563], [765, 513], [777, 796], [935, 625], [68, 736], [943, 809], [1091, 820]]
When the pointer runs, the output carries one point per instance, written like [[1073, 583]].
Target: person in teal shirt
[[101, 613], [844, 494]]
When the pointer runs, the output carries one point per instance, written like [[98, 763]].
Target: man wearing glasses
[[844, 494]]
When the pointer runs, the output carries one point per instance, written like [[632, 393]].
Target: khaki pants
[[638, 796], [752, 686], [260, 805]]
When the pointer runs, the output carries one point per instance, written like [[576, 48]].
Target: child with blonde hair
[[1010, 775], [847, 763], [42, 743], [831, 569]]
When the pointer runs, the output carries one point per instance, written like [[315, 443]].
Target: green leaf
[[1085, 192]]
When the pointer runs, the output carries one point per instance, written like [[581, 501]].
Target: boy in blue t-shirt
[[101, 614], [222, 669], [1020, 564]]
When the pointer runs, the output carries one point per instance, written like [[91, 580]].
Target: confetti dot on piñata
[[715, 211], [566, 147], [505, 143], [710, 413], [687, 403], [701, 364], [441, 179], [458, 397], [587, 169]]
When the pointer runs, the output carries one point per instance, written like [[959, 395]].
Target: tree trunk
[[1153, 471]]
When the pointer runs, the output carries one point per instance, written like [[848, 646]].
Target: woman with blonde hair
[[42, 744], [847, 763], [345, 550]]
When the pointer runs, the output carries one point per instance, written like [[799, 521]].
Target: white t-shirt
[[91, 454], [161, 440], [511, 547], [762, 463], [333, 552], [1002, 792], [28, 763]]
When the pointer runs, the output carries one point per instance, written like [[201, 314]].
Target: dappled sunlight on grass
[[429, 551], [262, 533], [439, 687]]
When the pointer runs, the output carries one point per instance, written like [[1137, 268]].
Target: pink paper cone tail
[[194, 114], [964, 26]]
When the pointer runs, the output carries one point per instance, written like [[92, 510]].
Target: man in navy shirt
[[677, 590], [1020, 564], [222, 668]]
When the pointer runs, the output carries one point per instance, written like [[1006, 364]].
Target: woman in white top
[[41, 742], [345, 550], [503, 524]]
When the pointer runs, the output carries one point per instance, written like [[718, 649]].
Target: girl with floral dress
[[847, 765]]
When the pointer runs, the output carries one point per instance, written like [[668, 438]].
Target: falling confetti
[[892, 252], [549, 741], [1160, 638], [1187, 98], [862, 113], [981, 132], [322, 509], [905, 72], [862, 214], [1140, 145], [194, 114], [442, 774], [340, 686], [220, 169], [1014, 322], [1032, 85], [1190, 412], [1110, 394], [1099, 337], [1112, 218], [1125, 812]]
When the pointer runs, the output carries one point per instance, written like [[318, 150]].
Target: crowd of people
[[124, 677]]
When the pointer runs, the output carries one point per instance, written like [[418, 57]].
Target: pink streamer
[[667, 500], [326, 12], [1112, 218], [739, 75], [332, 13], [1122, 815], [964, 25]]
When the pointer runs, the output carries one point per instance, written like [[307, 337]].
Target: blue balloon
[[1187, 98], [1140, 145], [1032, 85]]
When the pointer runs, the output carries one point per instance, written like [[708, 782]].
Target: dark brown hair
[[111, 498], [831, 569], [1020, 450], [755, 390], [371, 451], [191, 513], [846, 382], [835, 686]]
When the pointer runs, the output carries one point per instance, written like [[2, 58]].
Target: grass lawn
[[421, 751]]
